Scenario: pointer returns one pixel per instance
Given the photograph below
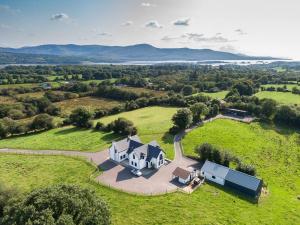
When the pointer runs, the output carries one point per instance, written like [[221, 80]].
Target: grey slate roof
[[243, 179], [128, 143], [149, 151], [215, 169]]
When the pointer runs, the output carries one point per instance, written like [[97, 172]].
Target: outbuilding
[[236, 112], [184, 176], [237, 180]]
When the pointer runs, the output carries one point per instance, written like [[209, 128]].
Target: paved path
[[119, 177]]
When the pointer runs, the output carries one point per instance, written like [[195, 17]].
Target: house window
[[213, 177], [131, 163], [135, 164], [133, 156]]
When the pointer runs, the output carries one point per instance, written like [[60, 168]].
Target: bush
[[183, 118], [42, 122], [60, 204], [248, 169], [80, 117], [15, 114], [6, 194], [122, 126], [99, 126]]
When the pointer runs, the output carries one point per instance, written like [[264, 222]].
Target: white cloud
[[147, 4], [202, 38], [4, 26], [127, 23], [169, 38], [59, 16], [182, 22], [153, 24], [240, 32]]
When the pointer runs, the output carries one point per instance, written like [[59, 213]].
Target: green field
[[207, 205], [281, 97], [152, 124], [218, 95], [275, 152], [289, 86]]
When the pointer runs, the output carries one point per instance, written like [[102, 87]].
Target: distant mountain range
[[74, 54]]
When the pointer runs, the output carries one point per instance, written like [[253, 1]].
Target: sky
[[253, 27]]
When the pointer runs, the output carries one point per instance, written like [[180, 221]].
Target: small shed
[[184, 176]]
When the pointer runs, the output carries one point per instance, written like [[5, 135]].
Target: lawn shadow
[[109, 137], [69, 130]]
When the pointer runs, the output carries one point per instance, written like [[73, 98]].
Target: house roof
[[243, 179], [215, 169], [149, 151], [181, 173], [128, 144]]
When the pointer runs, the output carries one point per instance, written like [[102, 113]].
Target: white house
[[184, 176], [138, 154]]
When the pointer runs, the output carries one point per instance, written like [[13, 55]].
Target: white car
[[136, 172]]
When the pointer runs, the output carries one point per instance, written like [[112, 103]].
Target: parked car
[[136, 172]]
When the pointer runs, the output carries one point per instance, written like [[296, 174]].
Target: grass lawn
[[275, 152], [218, 95], [281, 97], [2, 86], [66, 138], [90, 103], [289, 86], [153, 123], [207, 205]]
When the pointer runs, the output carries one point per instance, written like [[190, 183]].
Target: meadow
[[288, 86], [90, 103], [217, 95], [152, 123], [139, 90], [207, 205], [281, 97], [274, 151]]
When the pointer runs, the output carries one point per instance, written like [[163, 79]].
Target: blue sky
[[246, 26]]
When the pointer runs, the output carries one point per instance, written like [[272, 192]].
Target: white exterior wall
[[156, 162], [209, 176], [112, 152], [184, 181], [116, 156], [140, 163]]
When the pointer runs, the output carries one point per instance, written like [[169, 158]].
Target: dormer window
[[133, 156]]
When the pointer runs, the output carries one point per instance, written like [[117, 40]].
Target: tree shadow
[[168, 138], [282, 129], [69, 130], [110, 137]]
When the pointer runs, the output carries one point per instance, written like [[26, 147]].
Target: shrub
[[99, 126], [248, 169], [183, 118], [15, 114], [42, 122], [80, 117], [122, 126]]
